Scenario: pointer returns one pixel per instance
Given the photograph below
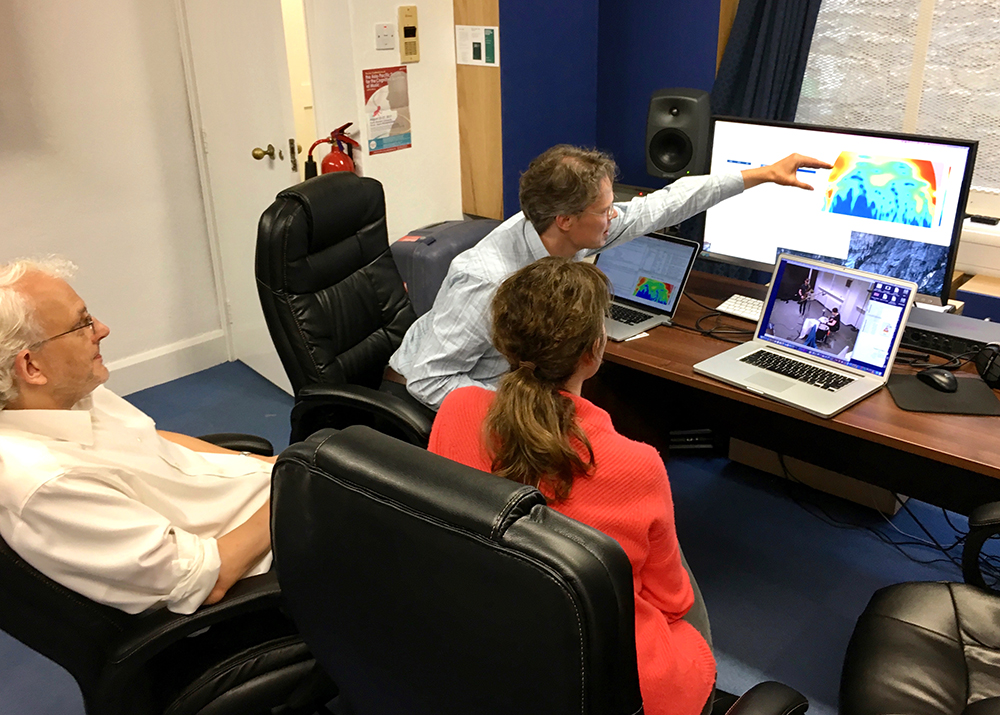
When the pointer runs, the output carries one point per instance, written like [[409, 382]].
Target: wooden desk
[[950, 460]]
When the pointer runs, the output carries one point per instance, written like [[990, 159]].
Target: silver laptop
[[648, 275], [829, 354]]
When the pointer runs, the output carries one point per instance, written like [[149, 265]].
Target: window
[[923, 66]]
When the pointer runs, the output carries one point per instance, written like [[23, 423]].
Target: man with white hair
[[91, 494]]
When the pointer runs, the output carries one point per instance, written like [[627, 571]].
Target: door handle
[[259, 153]]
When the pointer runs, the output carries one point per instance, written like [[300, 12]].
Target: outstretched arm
[[783, 172]]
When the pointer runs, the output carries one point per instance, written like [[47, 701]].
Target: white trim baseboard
[[154, 367]]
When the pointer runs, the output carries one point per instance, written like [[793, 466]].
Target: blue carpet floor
[[783, 581], [782, 584]]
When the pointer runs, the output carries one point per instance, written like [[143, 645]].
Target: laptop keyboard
[[628, 315], [802, 371]]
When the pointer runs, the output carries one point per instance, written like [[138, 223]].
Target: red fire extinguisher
[[340, 156]]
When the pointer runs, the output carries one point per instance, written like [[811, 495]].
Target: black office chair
[[426, 587], [335, 305], [241, 656], [930, 648]]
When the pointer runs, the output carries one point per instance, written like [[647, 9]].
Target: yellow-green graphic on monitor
[[883, 188], [654, 290]]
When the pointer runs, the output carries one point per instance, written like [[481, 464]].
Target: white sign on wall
[[477, 45]]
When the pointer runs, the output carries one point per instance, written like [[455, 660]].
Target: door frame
[[208, 202]]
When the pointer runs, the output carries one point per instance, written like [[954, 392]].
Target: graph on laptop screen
[[893, 204], [649, 271]]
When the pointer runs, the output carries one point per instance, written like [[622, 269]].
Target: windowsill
[[979, 249], [984, 203]]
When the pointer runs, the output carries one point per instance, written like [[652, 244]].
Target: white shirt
[[449, 346], [99, 502]]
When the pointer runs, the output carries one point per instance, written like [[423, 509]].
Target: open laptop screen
[[835, 315], [649, 271]]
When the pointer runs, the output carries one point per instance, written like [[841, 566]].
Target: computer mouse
[[939, 379]]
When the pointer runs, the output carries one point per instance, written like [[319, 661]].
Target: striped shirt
[[449, 346]]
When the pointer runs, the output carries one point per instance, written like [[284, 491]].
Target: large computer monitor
[[893, 204]]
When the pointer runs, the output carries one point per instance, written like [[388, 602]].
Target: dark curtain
[[760, 75]]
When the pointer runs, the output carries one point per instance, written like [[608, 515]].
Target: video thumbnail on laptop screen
[[837, 316]]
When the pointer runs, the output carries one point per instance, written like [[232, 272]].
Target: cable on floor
[[990, 563]]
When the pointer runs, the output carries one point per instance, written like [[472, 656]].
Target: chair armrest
[[154, 631], [339, 406], [240, 443], [984, 522], [770, 698]]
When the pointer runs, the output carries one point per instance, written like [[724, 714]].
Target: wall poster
[[387, 108]]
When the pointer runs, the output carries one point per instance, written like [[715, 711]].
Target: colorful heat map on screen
[[883, 188], [653, 290]]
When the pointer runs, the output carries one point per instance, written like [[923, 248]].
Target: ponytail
[[546, 318], [531, 427]]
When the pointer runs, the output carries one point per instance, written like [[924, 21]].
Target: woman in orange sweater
[[548, 322]]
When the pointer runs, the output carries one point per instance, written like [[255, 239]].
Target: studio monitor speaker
[[677, 129]]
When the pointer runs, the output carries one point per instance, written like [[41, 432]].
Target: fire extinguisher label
[[387, 107]]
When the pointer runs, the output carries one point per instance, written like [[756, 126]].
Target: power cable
[[990, 563]]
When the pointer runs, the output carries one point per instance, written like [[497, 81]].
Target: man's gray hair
[[19, 326]]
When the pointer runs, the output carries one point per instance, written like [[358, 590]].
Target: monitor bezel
[[971, 144]]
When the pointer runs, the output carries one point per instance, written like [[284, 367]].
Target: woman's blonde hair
[[546, 317]]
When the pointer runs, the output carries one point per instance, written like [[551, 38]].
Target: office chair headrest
[[364, 459], [320, 232], [337, 206]]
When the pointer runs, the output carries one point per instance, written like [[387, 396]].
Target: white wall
[[422, 184], [97, 163], [97, 159]]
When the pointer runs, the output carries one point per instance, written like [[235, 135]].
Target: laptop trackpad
[[771, 382]]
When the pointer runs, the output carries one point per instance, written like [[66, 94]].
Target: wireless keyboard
[[742, 306]]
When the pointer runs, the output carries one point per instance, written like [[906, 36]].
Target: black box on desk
[[948, 334], [981, 295]]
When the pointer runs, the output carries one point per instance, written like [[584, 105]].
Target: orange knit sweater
[[628, 498]]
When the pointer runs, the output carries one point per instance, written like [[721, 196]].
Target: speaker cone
[[670, 150]]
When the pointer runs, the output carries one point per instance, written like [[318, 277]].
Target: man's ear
[[565, 223], [27, 370]]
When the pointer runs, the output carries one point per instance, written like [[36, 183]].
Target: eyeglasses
[[609, 214], [83, 326]]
